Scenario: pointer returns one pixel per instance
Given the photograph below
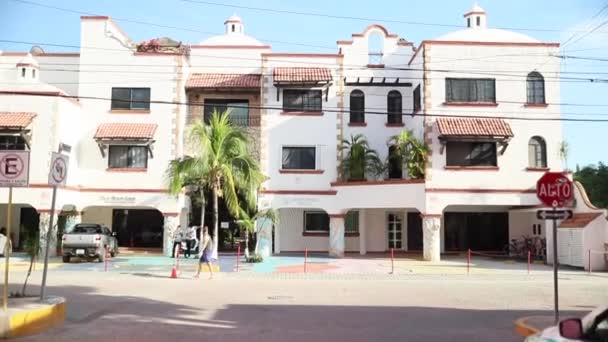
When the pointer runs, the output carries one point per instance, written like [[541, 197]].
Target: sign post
[[57, 177], [14, 172], [554, 189]]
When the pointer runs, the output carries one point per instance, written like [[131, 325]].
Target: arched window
[[357, 106], [394, 107], [232, 27], [375, 46], [536, 88], [395, 163], [537, 152], [22, 72]]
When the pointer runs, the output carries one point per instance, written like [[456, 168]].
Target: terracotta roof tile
[[224, 81], [136, 131], [579, 220], [16, 120], [301, 75], [474, 127]]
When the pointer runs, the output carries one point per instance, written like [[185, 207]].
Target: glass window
[[395, 163], [22, 72], [357, 106], [394, 107], [296, 100], [12, 143], [417, 99], [537, 152], [461, 153], [316, 221], [536, 88], [351, 222], [238, 110], [131, 98], [126, 157], [299, 158], [470, 90]]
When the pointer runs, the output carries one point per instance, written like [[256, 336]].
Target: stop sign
[[554, 189]]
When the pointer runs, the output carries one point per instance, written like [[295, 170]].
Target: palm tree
[[222, 163], [360, 160], [247, 223], [413, 151]]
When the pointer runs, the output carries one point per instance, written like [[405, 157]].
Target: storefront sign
[[117, 199]]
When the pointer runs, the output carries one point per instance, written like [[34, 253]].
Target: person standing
[[177, 241], [207, 256], [190, 236]]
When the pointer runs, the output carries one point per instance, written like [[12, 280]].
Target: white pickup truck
[[89, 241]]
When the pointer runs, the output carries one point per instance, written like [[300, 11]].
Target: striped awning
[[125, 131], [16, 120]]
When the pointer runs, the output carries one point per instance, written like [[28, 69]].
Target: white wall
[[520, 224]]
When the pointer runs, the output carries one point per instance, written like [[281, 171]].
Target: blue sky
[[292, 33]]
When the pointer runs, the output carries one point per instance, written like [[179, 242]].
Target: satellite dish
[[36, 50]]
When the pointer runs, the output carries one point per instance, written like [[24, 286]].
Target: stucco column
[[169, 231], [336, 235], [263, 246], [431, 237], [71, 221], [44, 232], [362, 233]]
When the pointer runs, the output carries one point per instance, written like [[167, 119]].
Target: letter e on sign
[[14, 168], [554, 189]]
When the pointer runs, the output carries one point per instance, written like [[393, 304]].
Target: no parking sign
[[58, 173]]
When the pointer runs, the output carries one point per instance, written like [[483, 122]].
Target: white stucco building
[[464, 94]]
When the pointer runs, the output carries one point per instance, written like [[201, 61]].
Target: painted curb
[[29, 322], [524, 329]]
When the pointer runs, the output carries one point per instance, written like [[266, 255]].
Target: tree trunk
[[246, 244], [200, 240], [215, 219], [29, 272]]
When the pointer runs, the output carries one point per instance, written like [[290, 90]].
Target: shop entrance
[[477, 231], [138, 227]]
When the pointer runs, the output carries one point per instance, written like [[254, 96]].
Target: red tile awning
[[301, 75], [474, 127], [214, 81], [125, 131], [579, 220], [16, 120]]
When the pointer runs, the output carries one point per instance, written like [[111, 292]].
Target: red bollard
[[106, 259], [177, 257], [305, 258], [529, 257], [468, 260], [238, 256], [392, 260]]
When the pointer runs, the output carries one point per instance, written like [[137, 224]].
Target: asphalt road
[[143, 307]]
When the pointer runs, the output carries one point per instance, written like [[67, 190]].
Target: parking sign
[[14, 169]]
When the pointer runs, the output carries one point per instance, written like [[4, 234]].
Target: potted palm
[[413, 152], [359, 160]]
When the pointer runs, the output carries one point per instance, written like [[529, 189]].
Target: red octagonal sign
[[554, 189]]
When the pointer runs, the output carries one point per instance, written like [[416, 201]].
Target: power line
[[332, 16], [586, 32], [519, 118]]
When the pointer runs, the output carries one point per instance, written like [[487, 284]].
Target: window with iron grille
[[537, 152], [131, 98], [351, 222], [417, 99], [296, 100], [357, 106], [299, 158], [316, 221], [461, 153], [12, 143], [394, 107], [470, 90], [238, 110], [535, 88], [128, 157]]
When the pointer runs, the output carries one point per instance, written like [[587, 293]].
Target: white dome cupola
[[234, 25], [28, 69], [476, 18]]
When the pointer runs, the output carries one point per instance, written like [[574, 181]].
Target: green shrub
[[254, 258]]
